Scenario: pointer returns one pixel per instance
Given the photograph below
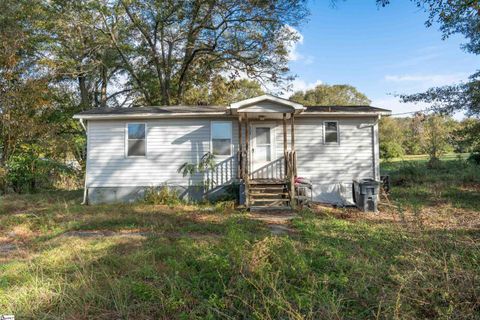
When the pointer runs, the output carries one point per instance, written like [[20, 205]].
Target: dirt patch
[[440, 217], [280, 217], [279, 229], [6, 248], [104, 233], [140, 234], [12, 250]]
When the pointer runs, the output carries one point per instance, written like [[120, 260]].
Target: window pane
[[221, 130], [221, 147], [262, 135], [331, 137], [262, 154], [331, 126], [136, 131], [136, 147]]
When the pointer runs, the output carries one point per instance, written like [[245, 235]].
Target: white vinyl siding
[[171, 143]]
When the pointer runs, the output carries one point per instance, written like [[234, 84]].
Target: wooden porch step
[[267, 186], [269, 194], [267, 182], [270, 200], [271, 208]]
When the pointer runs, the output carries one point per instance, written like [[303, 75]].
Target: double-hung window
[[136, 140], [221, 138], [331, 132]]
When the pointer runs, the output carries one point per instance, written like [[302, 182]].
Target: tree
[[332, 95], [454, 17], [220, 91], [467, 136], [437, 137], [23, 90], [391, 138], [169, 47]]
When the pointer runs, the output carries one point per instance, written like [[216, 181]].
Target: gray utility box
[[365, 192]]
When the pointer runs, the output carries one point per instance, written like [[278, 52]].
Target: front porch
[[267, 158]]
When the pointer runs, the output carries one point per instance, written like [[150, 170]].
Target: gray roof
[[159, 110], [207, 109], [344, 109]]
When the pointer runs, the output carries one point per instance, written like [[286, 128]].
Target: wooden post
[[247, 161], [292, 134], [285, 144], [293, 164], [240, 150]]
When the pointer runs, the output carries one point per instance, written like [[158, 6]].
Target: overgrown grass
[[186, 262], [424, 157], [456, 182]]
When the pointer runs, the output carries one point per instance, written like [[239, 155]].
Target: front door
[[263, 150]]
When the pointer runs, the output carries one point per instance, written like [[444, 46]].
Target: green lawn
[[424, 157], [419, 258]]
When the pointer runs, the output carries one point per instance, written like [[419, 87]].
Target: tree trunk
[[84, 98], [103, 90]]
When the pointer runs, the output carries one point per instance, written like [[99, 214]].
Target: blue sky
[[381, 51]]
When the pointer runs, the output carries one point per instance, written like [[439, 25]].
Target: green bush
[[474, 158], [390, 150], [26, 172], [162, 195]]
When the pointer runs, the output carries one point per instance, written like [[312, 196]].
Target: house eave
[[149, 116], [343, 114]]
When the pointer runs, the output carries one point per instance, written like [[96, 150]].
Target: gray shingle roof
[[344, 109], [206, 109], [158, 110]]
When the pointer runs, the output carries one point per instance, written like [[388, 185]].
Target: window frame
[[126, 140], [212, 123], [325, 131]]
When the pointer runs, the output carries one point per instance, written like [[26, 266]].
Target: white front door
[[263, 147]]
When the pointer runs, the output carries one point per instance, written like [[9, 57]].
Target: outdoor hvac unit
[[365, 192]]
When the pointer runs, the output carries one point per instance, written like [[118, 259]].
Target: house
[[260, 143]]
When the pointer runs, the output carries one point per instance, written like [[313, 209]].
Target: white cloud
[[292, 46], [428, 80], [300, 85], [394, 104]]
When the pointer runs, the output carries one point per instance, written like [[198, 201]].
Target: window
[[330, 131], [136, 145], [221, 134]]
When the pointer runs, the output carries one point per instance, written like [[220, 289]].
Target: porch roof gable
[[266, 103]]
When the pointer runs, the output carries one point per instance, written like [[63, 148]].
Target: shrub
[[474, 158], [390, 150], [162, 195], [26, 172], [3, 180]]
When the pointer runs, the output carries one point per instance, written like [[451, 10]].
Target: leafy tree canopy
[[331, 95], [454, 17]]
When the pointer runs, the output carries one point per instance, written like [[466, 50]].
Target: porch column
[[240, 150], [293, 163], [285, 143], [292, 134], [247, 161]]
